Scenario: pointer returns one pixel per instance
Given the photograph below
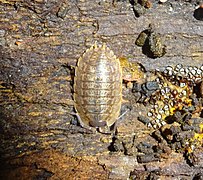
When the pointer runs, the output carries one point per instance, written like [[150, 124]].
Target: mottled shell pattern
[[98, 87]]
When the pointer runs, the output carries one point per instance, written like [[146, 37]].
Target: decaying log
[[39, 41]]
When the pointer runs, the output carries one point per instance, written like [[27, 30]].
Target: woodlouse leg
[[119, 120], [123, 114]]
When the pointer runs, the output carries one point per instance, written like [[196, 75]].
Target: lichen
[[177, 103], [131, 71]]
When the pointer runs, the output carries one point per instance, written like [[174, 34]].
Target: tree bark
[[39, 41]]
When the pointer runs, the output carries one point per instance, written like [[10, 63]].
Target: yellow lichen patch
[[201, 128], [189, 149], [197, 140], [198, 137], [131, 71], [169, 99]]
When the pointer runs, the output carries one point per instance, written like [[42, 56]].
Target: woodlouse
[[98, 87]]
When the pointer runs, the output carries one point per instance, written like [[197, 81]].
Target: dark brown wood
[[39, 138]]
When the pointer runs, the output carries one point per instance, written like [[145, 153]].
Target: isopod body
[[98, 87]]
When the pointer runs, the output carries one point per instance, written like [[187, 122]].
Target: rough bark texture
[[39, 137]]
